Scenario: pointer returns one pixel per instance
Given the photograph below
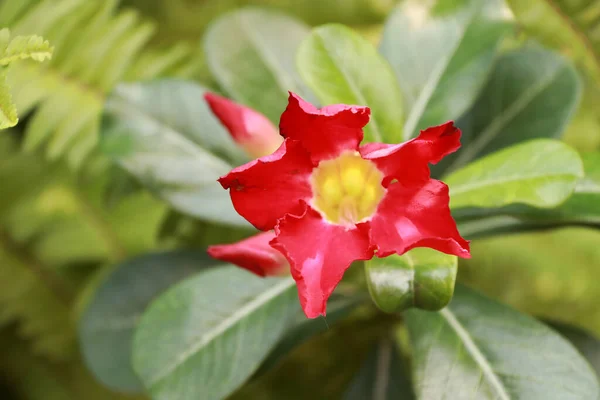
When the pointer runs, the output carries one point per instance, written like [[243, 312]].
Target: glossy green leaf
[[107, 325], [540, 173], [422, 278], [531, 93], [442, 54], [568, 25], [477, 348], [204, 337], [251, 53], [587, 344], [8, 111], [581, 208], [340, 66], [163, 133], [381, 377]]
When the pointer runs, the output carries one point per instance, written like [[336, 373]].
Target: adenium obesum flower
[[331, 201], [251, 130]]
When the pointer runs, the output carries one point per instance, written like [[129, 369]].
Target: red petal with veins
[[250, 129], [324, 133], [266, 189], [408, 162], [254, 254], [319, 253], [416, 216]]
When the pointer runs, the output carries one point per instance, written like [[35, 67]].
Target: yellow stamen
[[347, 189]]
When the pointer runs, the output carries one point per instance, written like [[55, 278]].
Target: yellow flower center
[[346, 189]]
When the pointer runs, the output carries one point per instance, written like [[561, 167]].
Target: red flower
[[250, 129], [332, 201], [254, 254]]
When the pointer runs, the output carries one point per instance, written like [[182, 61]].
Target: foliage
[[109, 198]]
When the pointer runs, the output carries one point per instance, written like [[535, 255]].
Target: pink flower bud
[[249, 128]]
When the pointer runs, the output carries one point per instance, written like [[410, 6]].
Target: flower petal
[[408, 162], [319, 253], [264, 190], [254, 254], [325, 133], [417, 216], [250, 129]]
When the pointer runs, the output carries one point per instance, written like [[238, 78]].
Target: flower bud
[[249, 128]]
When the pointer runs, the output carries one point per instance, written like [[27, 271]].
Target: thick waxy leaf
[[382, 377], [204, 337], [477, 348], [531, 93], [340, 66], [569, 25], [540, 173], [442, 53], [108, 322], [163, 133], [581, 208], [585, 342], [422, 278], [251, 53]]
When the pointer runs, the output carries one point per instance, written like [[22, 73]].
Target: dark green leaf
[[422, 278], [108, 322], [251, 53], [519, 174], [585, 342], [531, 93], [442, 53], [382, 377], [338, 307], [477, 348], [163, 133], [340, 66], [204, 337]]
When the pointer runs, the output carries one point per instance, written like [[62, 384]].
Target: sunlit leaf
[[541, 173], [340, 66]]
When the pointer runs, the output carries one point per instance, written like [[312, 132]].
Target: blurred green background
[[67, 215]]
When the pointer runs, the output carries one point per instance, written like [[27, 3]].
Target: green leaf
[[381, 377], [531, 93], [204, 337], [581, 208], [22, 48], [482, 349], [520, 174], [442, 54], [251, 53], [164, 133], [568, 25], [340, 66], [422, 278], [585, 342], [8, 111], [107, 325]]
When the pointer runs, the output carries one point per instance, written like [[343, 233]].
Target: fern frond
[[22, 48], [96, 46], [18, 48], [48, 220]]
